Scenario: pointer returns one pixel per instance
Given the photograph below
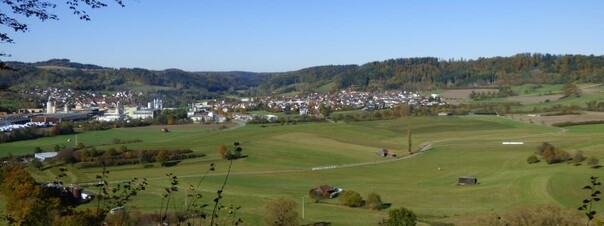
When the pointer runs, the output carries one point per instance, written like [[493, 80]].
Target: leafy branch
[[588, 203]]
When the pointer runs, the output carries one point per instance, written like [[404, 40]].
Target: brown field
[[549, 120], [535, 99], [460, 94]]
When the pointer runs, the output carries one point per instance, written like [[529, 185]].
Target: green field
[[281, 158]]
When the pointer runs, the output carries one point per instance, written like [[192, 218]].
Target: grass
[[281, 157]]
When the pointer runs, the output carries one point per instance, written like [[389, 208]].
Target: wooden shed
[[467, 181]]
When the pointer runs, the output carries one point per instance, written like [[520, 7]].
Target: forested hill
[[65, 74], [428, 72], [405, 73]]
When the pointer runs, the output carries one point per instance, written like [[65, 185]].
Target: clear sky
[[285, 35]]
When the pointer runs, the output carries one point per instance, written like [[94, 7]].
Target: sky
[[287, 35]]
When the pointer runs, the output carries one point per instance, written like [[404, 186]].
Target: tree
[[351, 199], [593, 162], [162, 156], [532, 159], [25, 204], [579, 157], [37, 163], [37, 150], [281, 212], [66, 155], [401, 217], [374, 201], [39, 9]]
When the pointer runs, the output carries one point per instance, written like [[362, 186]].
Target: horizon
[[264, 36]]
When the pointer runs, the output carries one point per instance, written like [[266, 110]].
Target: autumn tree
[[552, 154], [25, 204], [281, 212]]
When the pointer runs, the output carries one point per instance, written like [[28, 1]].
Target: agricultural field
[[281, 159]]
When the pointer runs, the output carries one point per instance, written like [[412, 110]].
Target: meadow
[[281, 158]]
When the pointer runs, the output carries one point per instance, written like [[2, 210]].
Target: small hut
[[467, 181]]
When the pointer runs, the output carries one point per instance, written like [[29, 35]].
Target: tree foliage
[[281, 212], [351, 199], [374, 201], [26, 203], [594, 196], [532, 159], [552, 154], [401, 217]]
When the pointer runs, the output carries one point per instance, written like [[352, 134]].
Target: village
[[68, 105]]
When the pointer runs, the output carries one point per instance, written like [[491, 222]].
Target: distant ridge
[[403, 73]]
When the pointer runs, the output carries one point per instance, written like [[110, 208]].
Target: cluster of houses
[[347, 100], [67, 104]]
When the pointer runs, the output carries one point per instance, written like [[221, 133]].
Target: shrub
[[351, 199], [401, 217], [593, 162], [281, 212], [532, 159], [374, 201], [579, 157]]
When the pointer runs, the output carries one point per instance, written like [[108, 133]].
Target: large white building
[[51, 106]]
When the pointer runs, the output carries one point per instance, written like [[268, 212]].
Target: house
[[45, 155]]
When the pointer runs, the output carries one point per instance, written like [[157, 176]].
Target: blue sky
[[270, 35]]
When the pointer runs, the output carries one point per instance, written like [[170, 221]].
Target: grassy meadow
[[281, 157]]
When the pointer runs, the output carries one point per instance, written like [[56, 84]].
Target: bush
[[593, 162], [401, 217], [532, 159], [579, 157], [281, 212], [351, 199], [374, 201]]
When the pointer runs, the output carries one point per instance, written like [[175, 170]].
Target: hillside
[[403, 73]]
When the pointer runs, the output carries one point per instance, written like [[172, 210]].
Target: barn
[[467, 181]]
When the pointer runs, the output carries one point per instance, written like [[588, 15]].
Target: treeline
[[429, 72], [402, 73], [84, 157], [34, 132]]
